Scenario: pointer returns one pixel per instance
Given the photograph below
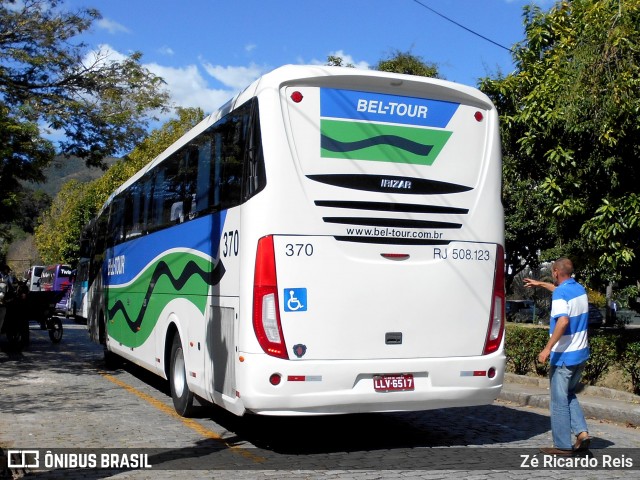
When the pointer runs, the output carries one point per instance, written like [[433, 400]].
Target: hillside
[[21, 253], [64, 169]]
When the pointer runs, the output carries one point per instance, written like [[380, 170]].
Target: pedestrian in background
[[614, 313], [567, 351], [7, 279]]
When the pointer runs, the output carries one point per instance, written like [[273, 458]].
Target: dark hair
[[565, 265]]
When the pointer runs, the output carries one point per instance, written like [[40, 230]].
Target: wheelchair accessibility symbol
[[295, 299]]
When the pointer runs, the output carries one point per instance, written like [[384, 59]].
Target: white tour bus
[[330, 241]]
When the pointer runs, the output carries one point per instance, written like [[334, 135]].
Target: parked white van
[[33, 277]]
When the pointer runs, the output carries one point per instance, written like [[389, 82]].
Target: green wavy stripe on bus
[[133, 310], [380, 142]]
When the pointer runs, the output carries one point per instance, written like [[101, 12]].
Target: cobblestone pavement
[[59, 398]]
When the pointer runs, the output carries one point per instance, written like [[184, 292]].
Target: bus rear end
[[379, 273], [57, 278]]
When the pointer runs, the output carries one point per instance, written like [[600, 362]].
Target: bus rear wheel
[[180, 393]]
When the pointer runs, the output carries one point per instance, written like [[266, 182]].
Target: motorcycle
[[22, 305], [46, 302]]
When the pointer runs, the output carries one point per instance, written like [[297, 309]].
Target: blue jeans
[[566, 413]]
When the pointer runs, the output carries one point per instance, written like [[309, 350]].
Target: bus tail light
[[496, 320], [266, 314]]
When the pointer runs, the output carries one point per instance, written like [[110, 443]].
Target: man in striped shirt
[[567, 351]]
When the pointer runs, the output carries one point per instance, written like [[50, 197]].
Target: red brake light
[[496, 319], [266, 314]]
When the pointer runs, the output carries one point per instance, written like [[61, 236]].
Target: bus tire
[[180, 393]]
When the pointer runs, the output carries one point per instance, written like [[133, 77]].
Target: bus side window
[[173, 204], [155, 221], [204, 172], [189, 176], [116, 221], [147, 196], [133, 209], [254, 171], [216, 161], [231, 162]]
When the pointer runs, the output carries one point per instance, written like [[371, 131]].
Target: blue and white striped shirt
[[569, 299]]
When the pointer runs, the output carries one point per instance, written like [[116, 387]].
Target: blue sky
[[207, 50]]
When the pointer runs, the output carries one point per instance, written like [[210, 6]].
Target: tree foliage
[[397, 62], [22, 156], [57, 237], [406, 62], [98, 105], [571, 138], [338, 61]]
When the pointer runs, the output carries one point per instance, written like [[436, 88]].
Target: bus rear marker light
[[395, 256], [304, 378]]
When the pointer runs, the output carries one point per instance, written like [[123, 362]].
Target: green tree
[[397, 62], [32, 204], [571, 138], [528, 227], [60, 224], [57, 236], [337, 61], [99, 105], [406, 62], [22, 155]]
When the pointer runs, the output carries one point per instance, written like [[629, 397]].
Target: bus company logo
[[115, 265], [299, 350], [23, 459], [385, 128], [396, 184]]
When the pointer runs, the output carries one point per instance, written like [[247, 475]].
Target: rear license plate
[[393, 383]]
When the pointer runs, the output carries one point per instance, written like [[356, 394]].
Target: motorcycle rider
[[13, 303], [6, 280]]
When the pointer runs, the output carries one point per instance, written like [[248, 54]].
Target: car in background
[[595, 316], [33, 277]]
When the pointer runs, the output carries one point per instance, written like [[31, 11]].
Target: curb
[[603, 392], [597, 402]]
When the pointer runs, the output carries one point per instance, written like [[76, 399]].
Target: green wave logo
[[133, 310], [379, 142]]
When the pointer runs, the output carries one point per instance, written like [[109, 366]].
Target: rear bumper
[[340, 387]]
